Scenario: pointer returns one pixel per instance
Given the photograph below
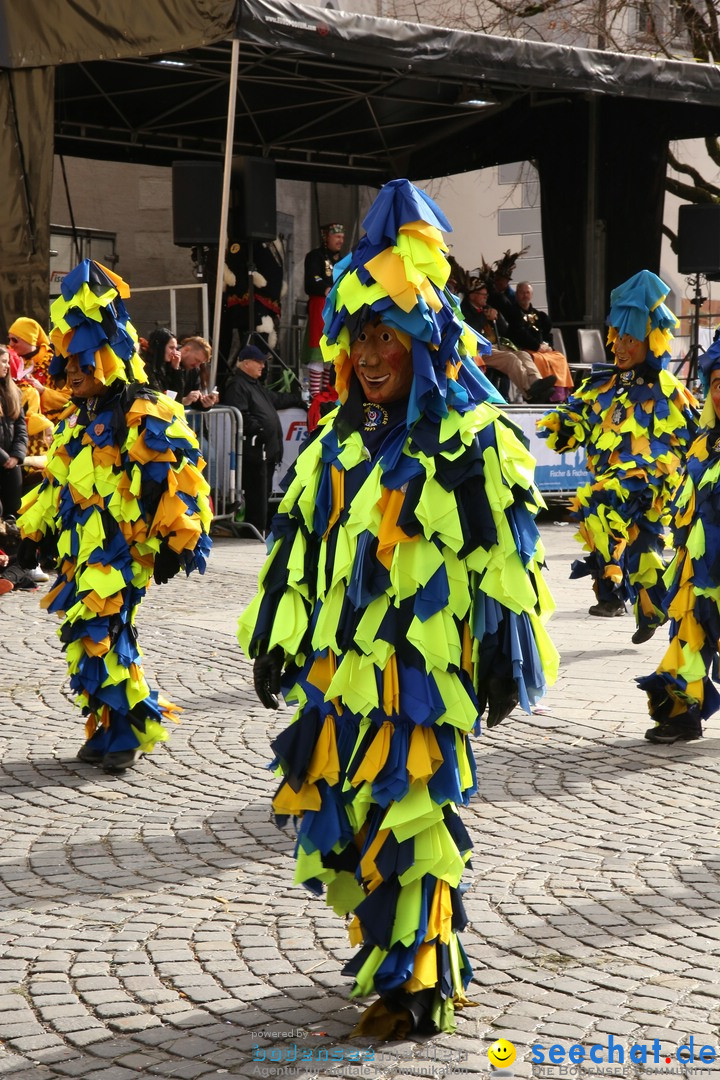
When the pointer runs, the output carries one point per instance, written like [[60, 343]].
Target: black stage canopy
[[349, 98]]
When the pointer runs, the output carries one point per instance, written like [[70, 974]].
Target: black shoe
[[538, 393], [90, 756], [607, 609], [643, 633], [670, 731], [119, 760]]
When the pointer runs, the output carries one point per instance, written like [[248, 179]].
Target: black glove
[[167, 564], [27, 554], [500, 695], [266, 677]]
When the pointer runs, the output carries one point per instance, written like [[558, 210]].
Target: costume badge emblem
[[618, 414], [72, 420], [375, 416], [627, 377], [234, 248], [99, 428], [716, 446]]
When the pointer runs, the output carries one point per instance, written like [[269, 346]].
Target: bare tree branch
[[687, 191], [712, 190]]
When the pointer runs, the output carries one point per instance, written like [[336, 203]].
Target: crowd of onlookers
[[523, 363]]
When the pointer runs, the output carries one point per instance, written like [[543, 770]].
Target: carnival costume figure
[[402, 597], [681, 693], [636, 422], [123, 499]]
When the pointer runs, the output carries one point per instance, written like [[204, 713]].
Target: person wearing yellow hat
[[29, 341], [122, 501]]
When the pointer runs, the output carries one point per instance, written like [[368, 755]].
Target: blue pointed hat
[[637, 308], [398, 274]]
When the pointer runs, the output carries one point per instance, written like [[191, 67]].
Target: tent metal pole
[[222, 238]]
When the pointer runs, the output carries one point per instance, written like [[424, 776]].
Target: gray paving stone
[[151, 920]]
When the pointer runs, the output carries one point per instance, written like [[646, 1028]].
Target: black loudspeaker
[[196, 202], [699, 239], [254, 211]]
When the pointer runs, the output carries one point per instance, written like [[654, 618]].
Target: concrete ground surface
[[149, 926]]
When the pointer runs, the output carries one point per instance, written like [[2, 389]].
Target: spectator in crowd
[[13, 439], [636, 421], [262, 430], [40, 428], [319, 266], [195, 354], [161, 357], [514, 365], [402, 598], [531, 329], [123, 499], [30, 342], [681, 692]]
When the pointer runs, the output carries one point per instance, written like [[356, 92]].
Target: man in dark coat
[[262, 430]]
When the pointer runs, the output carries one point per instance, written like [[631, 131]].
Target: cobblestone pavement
[[149, 924]]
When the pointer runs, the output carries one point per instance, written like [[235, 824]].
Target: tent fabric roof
[[327, 94], [335, 96]]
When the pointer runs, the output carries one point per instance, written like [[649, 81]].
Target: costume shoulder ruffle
[[624, 418], [136, 462]]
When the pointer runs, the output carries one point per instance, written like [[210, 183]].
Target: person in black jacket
[[13, 439], [262, 430]]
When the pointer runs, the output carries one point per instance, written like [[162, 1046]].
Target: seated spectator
[[12, 575], [262, 430], [29, 341], [161, 357], [531, 329], [518, 366], [195, 353]]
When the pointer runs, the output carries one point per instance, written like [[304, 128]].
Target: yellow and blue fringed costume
[[403, 575], [636, 426], [680, 692], [123, 483]]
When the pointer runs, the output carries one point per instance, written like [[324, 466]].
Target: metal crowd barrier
[[220, 434]]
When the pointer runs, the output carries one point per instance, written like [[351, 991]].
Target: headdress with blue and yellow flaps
[[707, 363], [397, 274], [637, 308], [90, 322]]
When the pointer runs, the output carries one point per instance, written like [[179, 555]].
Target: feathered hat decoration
[[637, 309], [504, 266], [397, 274], [90, 321]]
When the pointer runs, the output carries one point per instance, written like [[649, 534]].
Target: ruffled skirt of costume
[[620, 524], [682, 690]]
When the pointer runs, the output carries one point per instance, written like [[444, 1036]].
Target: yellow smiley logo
[[501, 1054]]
